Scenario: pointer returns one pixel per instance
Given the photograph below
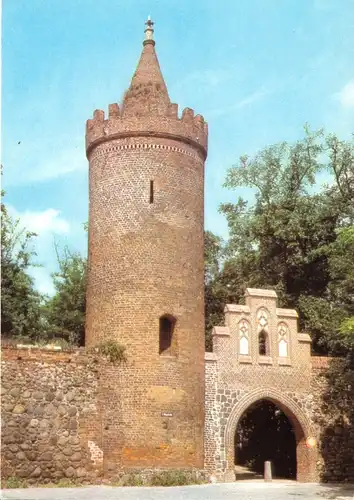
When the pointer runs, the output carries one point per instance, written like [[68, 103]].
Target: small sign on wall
[[166, 414]]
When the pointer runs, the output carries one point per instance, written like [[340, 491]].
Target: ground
[[244, 490]]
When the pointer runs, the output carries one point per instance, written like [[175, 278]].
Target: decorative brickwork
[[146, 175], [238, 377], [73, 415]]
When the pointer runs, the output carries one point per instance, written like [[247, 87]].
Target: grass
[[14, 482], [161, 478], [174, 478], [62, 483]]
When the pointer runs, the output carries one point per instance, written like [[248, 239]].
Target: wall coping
[[287, 312], [223, 331], [321, 361], [32, 353], [210, 356], [304, 337], [237, 308], [259, 292]]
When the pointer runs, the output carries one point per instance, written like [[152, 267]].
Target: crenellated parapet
[[190, 128]]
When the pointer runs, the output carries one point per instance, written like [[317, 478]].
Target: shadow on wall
[[337, 422]]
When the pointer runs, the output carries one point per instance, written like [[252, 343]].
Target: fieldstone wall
[[316, 393], [50, 416], [333, 390], [60, 411]]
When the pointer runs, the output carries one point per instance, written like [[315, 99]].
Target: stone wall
[[315, 393], [71, 415], [333, 389], [242, 374], [50, 416], [61, 411]]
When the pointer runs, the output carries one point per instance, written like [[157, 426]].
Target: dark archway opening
[[264, 433]]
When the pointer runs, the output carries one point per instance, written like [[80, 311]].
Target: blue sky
[[256, 69]]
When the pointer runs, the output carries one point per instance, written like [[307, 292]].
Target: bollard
[[267, 471]]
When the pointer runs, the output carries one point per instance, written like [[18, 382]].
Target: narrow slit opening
[[151, 191]]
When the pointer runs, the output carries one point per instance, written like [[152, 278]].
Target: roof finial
[[149, 31]]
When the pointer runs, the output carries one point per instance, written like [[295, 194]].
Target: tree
[[213, 297], [65, 311], [288, 238], [20, 307]]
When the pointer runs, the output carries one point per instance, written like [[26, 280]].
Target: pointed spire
[[147, 91], [149, 31]]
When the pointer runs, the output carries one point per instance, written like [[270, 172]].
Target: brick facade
[[146, 176], [73, 415], [238, 376]]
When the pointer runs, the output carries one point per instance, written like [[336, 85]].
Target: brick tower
[[146, 272]]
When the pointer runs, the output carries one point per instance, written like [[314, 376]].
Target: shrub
[[14, 482], [131, 480], [174, 478], [111, 349]]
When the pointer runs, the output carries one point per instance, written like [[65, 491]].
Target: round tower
[[146, 271]]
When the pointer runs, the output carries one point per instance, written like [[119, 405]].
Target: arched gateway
[[239, 374], [300, 423]]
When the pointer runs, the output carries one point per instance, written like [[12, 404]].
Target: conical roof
[[147, 92]]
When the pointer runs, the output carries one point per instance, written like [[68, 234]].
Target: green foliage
[[174, 478], [65, 311], [160, 478], [14, 482], [111, 349], [296, 237], [20, 307], [61, 483], [213, 296], [130, 480]]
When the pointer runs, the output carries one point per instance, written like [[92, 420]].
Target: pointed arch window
[[263, 343], [244, 337], [283, 340], [263, 333]]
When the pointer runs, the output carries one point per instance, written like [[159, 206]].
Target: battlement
[[190, 128]]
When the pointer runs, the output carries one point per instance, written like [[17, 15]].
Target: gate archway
[[305, 456]]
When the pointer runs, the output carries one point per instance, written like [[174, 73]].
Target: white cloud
[[43, 280], [203, 79], [50, 226], [48, 164], [246, 101], [346, 95], [47, 221]]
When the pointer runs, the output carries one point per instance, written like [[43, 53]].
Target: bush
[[131, 480], [111, 349], [14, 482], [174, 478]]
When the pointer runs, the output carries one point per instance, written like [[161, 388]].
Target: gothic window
[[167, 325], [263, 334], [263, 343], [283, 340], [262, 319], [244, 337]]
